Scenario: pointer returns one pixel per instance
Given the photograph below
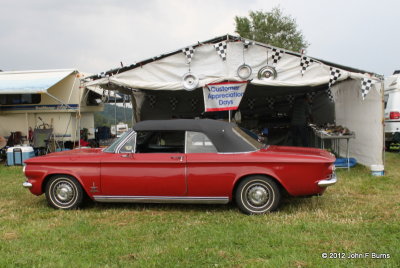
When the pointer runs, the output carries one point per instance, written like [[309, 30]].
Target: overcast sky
[[95, 36]]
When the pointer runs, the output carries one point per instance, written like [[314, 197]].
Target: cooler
[[17, 155]]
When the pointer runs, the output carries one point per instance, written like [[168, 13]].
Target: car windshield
[[111, 148], [247, 138]]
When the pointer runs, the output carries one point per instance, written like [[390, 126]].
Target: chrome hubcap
[[64, 192], [257, 195]]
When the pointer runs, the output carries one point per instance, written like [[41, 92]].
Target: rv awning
[[28, 82]]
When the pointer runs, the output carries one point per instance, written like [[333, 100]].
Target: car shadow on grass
[[287, 204]]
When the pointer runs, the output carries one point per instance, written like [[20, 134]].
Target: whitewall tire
[[257, 195], [64, 192]]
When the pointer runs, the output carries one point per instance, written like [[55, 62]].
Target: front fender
[[87, 175]]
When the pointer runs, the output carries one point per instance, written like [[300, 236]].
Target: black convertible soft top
[[226, 137]]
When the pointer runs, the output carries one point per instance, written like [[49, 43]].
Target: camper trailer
[[119, 129], [49, 99], [392, 110]]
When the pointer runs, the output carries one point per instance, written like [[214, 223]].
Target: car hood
[[84, 153], [300, 151]]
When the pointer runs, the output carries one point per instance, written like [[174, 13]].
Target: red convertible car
[[182, 161]]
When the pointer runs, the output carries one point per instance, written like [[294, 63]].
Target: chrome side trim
[[331, 181], [162, 199], [27, 185]]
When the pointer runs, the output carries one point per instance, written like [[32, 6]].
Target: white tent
[[273, 72]]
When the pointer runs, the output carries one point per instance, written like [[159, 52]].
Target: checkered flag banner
[[173, 102], [152, 100], [270, 102], [304, 63], [221, 49], [189, 53], [276, 55], [290, 99], [334, 76], [330, 96], [366, 85]]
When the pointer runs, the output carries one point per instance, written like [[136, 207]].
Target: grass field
[[359, 215]]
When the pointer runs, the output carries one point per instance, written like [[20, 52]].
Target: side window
[[197, 142], [160, 142], [129, 145], [11, 99]]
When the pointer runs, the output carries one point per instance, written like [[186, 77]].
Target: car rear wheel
[[257, 195], [64, 192]]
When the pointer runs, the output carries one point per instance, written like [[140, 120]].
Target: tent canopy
[[157, 84], [30, 82], [165, 72]]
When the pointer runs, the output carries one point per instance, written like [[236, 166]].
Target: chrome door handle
[[125, 155], [180, 158]]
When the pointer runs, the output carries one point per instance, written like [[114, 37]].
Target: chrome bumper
[[27, 185], [331, 181]]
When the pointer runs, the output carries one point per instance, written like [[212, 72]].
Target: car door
[[157, 169], [208, 172]]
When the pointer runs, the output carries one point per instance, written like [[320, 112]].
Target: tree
[[272, 28]]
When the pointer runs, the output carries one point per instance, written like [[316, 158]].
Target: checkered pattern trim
[[270, 102], [251, 103], [304, 63], [189, 53], [330, 96], [276, 55], [152, 100], [173, 102], [334, 76], [221, 49], [366, 85], [290, 99], [193, 103]]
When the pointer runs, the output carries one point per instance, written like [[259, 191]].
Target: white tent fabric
[[363, 117], [29, 82], [167, 73]]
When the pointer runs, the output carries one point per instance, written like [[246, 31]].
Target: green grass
[[358, 215]]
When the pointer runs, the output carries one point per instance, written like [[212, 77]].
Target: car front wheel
[[257, 195], [64, 192]]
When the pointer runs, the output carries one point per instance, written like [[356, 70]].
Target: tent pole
[[229, 115], [133, 110], [115, 111], [27, 127], [124, 104], [81, 86], [383, 119]]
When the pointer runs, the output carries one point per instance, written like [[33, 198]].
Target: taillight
[[394, 115]]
